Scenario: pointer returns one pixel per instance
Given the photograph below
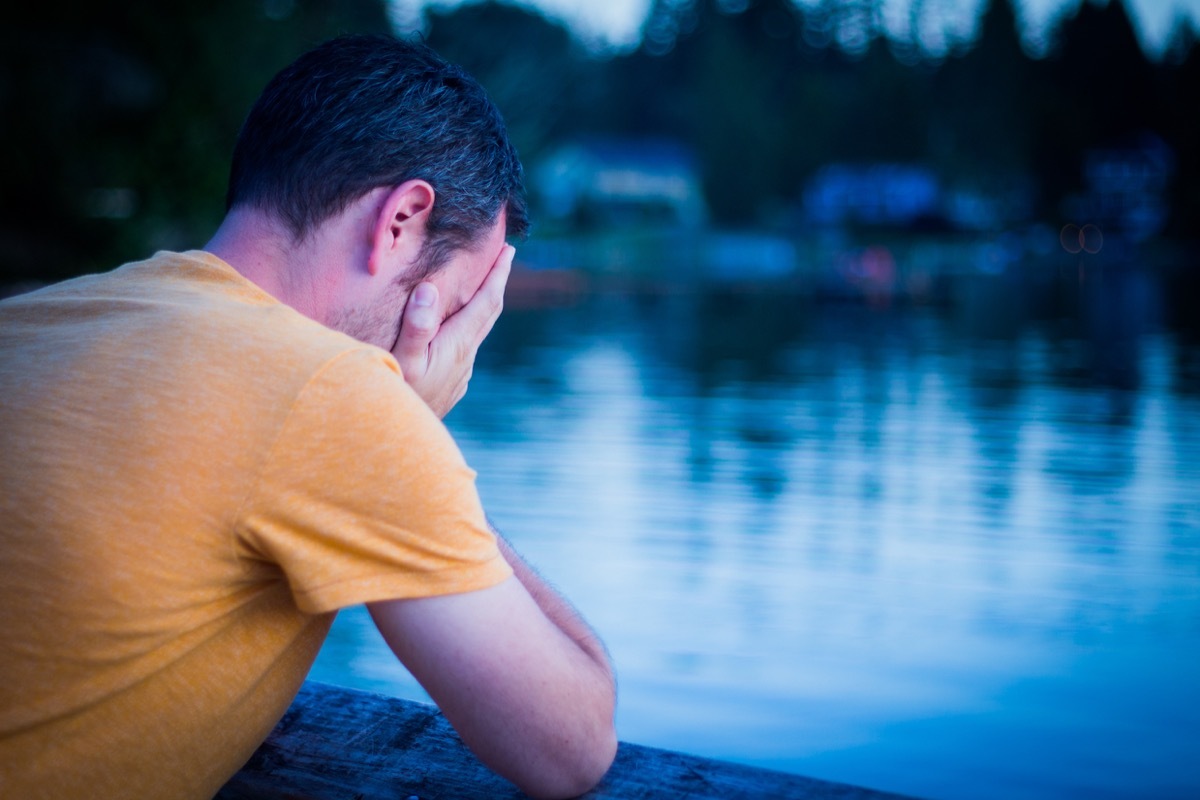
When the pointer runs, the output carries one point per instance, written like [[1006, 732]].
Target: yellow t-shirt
[[193, 478]]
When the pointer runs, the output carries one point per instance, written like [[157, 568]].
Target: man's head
[[363, 112]]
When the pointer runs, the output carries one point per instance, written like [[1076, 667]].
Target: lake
[[950, 550]]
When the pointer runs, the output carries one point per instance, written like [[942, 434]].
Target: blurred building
[[1125, 188], [913, 197], [871, 194], [618, 181]]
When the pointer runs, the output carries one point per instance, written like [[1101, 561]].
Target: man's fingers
[[476, 318], [418, 326], [436, 356]]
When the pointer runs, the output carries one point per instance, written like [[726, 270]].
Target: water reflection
[[950, 553]]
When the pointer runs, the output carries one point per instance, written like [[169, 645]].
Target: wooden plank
[[342, 744]]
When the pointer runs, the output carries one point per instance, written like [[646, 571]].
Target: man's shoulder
[[191, 322], [230, 320]]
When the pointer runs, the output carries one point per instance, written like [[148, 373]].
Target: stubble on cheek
[[377, 323]]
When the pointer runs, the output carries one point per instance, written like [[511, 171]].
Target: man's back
[[170, 561]]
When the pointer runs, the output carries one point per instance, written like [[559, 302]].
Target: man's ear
[[399, 230]]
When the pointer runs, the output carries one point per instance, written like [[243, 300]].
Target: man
[[206, 454]]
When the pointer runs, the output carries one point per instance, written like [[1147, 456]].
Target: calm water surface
[[950, 552]]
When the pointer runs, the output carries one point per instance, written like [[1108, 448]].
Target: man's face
[[461, 276], [377, 321]]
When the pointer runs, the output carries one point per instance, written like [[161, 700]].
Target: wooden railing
[[343, 744]]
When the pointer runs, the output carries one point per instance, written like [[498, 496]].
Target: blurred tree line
[[119, 119], [768, 91], [118, 122]]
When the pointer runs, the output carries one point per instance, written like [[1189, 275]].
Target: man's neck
[[264, 252]]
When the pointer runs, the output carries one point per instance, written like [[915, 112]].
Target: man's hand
[[437, 357]]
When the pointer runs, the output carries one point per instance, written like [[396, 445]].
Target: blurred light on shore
[[1087, 239], [1091, 239], [1069, 237]]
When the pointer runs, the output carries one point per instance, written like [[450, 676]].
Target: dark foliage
[[120, 121]]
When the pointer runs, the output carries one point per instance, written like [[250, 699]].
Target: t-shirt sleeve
[[364, 495]]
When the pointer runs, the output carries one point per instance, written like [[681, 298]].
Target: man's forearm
[[523, 679], [556, 608]]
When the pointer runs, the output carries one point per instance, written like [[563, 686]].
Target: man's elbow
[[592, 768], [574, 773]]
